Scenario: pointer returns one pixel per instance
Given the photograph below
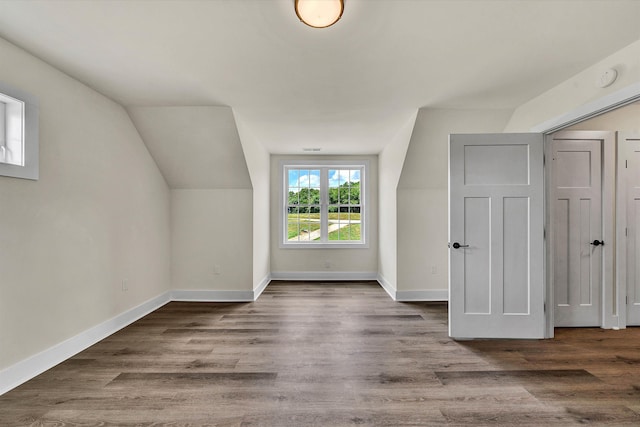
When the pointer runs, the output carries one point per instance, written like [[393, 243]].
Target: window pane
[[346, 230], [304, 196], [314, 196], [344, 195], [294, 176], [293, 197], [293, 227], [303, 204], [334, 197], [305, 231], [334, 178], [354, 193], [302, 178], [309, 178], [344, 177], [314, 178]]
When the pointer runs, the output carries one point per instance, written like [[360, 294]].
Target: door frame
[[609, 311], [604, 104], [622, 224]]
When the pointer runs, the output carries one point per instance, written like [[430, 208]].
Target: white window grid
[[345, 206]]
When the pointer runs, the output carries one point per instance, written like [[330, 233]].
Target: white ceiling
[[348, 88]]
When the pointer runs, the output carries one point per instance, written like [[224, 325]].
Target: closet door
[[629, 163], [576, 214]]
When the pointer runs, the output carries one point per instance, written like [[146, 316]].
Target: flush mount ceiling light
[[319, 13]]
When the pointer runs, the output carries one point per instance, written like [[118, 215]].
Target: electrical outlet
[[434, 269], [125, 285]]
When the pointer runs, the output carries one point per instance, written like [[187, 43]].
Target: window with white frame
[[18, 134], [11, 130], [324, 204]]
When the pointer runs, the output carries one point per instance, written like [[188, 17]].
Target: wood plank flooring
[[331, 354]]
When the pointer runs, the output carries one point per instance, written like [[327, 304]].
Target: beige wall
[[422, 194], [217, 243], [102, 212], [626, 119], [258, 162], [390, 163], [211, 228], [422, 191], [98, 214], [309, 261], [195, 147]]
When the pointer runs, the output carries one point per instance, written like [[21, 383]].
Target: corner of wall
[[422, 198], [258, 163], [390, 163]]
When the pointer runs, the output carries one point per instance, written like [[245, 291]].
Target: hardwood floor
[[331, 354]]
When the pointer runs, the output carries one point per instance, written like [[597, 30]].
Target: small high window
[[18, 134], [11, 131]]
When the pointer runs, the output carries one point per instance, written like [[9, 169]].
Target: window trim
[[284, 243], [30, 127]]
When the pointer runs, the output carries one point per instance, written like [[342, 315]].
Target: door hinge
[[626, 231], [544, 160], [544, 307], [626, 300], [626, 164], [544, 233]]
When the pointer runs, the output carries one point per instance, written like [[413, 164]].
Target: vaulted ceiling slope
[[194, 147], [346, 89]]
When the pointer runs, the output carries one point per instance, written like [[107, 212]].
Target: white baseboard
[[33, 366], [261, 286], [29, 368], [323, 275], [425, 295], [206, 295], [387, 286]]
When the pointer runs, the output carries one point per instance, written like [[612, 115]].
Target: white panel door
[[576, 213], [496, 214], [631, 147]]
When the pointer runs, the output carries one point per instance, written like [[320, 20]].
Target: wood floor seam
[[335, 354]]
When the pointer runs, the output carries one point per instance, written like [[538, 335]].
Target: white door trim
[[602, 105], [622, 224], [609, 289]]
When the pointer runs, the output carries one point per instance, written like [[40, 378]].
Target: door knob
[[457, 245], [597, 243]]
